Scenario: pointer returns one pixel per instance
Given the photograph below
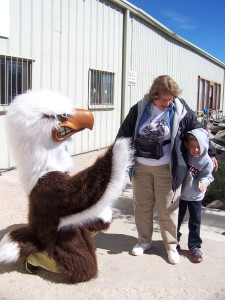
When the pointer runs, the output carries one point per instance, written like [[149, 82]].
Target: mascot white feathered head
[[39, 126]]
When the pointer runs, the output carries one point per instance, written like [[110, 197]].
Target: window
[[4, 18], [15, 78], [101, 87], [209, 95]]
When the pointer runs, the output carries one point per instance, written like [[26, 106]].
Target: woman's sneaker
[[173, 256], [139, 249], [196, 254]]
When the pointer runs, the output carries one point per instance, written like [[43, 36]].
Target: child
[[197, 179]]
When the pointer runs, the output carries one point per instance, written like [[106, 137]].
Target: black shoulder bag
[[149, 147]]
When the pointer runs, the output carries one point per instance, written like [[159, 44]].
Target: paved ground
[[121, 275]]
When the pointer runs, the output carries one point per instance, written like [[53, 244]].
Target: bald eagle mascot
[[64, 210]]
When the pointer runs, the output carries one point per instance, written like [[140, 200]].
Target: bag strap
[[166, 142]]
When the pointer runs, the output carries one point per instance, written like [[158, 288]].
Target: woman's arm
[[128, 126]]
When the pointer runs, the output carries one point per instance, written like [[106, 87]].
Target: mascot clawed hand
[[64, 211]]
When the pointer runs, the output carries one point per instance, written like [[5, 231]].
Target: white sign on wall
[[132, 77], [4, 18]]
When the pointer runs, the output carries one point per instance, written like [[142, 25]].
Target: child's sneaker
[[196, 254], [139, 249]]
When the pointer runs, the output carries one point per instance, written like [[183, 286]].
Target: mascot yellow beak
[[70, 124]]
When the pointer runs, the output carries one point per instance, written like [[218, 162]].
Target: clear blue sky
[[200, 22]]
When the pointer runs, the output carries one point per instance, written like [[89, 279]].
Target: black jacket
[[184, 119]]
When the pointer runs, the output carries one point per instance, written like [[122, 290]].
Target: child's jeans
[[194, 223]]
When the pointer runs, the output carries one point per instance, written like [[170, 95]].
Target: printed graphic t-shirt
[[156, 126]]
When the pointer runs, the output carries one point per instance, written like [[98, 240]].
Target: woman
[[157, 125]]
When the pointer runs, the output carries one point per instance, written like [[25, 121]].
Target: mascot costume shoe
[[64, 211]]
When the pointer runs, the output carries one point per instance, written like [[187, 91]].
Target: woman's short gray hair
[[163, 84]]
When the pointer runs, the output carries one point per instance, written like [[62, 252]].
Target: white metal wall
[[65, 38], [152, 53]]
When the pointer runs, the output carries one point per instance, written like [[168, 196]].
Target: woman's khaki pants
[[152, 186]]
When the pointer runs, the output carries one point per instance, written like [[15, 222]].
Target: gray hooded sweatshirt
[[199, 169]]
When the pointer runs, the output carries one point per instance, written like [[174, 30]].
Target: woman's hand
[[215, 163]]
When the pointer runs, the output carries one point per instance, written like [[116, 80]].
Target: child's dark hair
[[189, 137]]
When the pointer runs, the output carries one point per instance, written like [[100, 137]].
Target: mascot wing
[[97, 187]]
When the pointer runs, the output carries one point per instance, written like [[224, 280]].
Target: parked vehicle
[[213, 120], [217, 125], [218, 142]]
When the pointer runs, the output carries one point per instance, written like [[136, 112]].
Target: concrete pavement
[[121, 275]]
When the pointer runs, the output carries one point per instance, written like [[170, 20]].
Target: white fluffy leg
[[9, 250]]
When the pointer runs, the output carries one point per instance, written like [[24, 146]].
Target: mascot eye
[[62, 118]]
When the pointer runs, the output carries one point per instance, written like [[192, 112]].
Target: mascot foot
[[42, 260], [30, 268]]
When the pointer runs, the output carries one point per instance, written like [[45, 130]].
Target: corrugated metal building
[[102, 54]]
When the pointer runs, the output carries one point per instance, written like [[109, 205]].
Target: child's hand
[[202, 186]]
